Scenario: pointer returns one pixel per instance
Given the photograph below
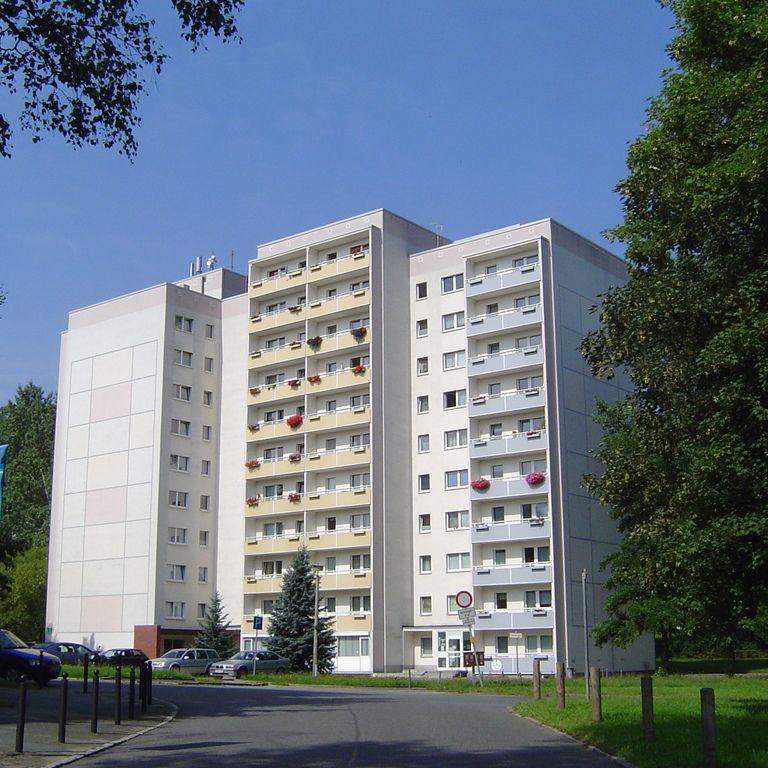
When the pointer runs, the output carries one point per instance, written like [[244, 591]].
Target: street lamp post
[[317, 569], [586, 632]]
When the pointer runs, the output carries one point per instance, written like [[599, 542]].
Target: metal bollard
[[560, 684], [21, 713], [708, 738], [95, 703], [85, 673], [149, 683], [63, 709], [132, 694], [143, 687], [536, 678], [118, 692], [646, 700]]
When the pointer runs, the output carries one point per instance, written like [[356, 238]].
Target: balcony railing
[[514, 444], [503, 280], [532, 619], [497, 575], [511, 360], [535, 528], [511, 400]]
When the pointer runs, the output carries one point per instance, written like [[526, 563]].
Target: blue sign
[[3, 454], [258, 621]]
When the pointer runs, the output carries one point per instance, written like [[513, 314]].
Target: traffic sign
[[258, 621], [467, 616], [463, 599], [515, 635]]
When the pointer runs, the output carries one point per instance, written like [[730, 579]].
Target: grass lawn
[[742, 719]]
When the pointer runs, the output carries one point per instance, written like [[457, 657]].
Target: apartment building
[[413, 411]]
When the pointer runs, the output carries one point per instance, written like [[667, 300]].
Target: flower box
[[358, 369], [295, 420], [314, 378], [481, 484], [294, 496], [252, 501], [315, 341], [359, 333], [293, 382], [253, 427], [255, 390], [535, 478], [294, 456], [295, 308], [252, 463]]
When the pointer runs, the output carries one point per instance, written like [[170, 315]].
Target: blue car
[[17, 659]]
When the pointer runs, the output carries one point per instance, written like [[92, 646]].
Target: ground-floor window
[[352, 646]]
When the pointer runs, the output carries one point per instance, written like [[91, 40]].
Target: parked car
[[196, 661], [17, 659], [68, 653], [120, 656], [248, 662]]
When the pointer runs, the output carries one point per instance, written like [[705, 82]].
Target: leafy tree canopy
[[293, 619], [79, 65], [213, 632], [686, 452], [22, 601], [27, 425]]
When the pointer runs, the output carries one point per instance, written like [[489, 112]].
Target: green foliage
[[292, 623], [686, 452], [80, 66], [213, 632], [27, 424], [22, 605]]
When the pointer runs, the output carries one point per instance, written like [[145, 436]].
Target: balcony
[[269, 468], [339, 379], [343, 417], [505, 489], [490, 533], [511, 620], [342, 303], [338, 342], [267, 321], [516, 444], [513, 360], [352, 457], [495, 575], [346, 265], [352, 622], [314, 542], [291, 352], [265, 430], [271, 393], [503, 281], [269, 286], [516, 400], [351, 497], [506, 320]]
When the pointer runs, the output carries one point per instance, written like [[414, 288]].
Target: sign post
[[516, 636], [258, 623], [468, 616]]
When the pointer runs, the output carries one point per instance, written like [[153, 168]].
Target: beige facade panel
[[289, 353], [354, 300], [355, 417], [339, 267], [272, 285], [265, 322]]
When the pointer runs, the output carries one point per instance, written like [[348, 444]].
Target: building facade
[[413, 411]]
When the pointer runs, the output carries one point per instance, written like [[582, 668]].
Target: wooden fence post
[[708, 740], [646, 699], [560, 684], [536, 679], [594, 694]]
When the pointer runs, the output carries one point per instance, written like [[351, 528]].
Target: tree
[[686, 451], [27, 425], [293, 620], [22, 605], [80, 65], [213, 632]]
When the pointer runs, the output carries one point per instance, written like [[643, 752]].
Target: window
[[205, 502], [500, 601], [360, 480], [330, 406], [361, 322], [522, 342], [299, 526], [497, 514], [426, 646], [331, 330], [422, 366], [179, 463], [353, 646], [278, 307], [492, 309], [267, 606], [457, 359], [527, 301], [208, 331], [331, 256], [499, 556], [205, 467], [530, 382], [273, 491], [530, 425], [182, 392], [457, 561], [490, 269], [455, 398], [493, 349], [525, 260], [456, 520], [331, 367], [331, 293], [425, 563], [182, 323], [451, 606], [330, 484], [425, 605], [422, 328], [273, 454], [273, 530], [457, 478], [356, 441], [541, 598], [497, 471], [360, 562], [177, 535], [273, 416], [201, 608], [177, 572], [359, 360], [178, 499], [425, 523], [180, 427], [330, 564], [494, 430], [538, 644], [207, 397], [422, 404], [275, 343], [203, 538], [202, 574], [330, 444], [359, 401], [423, 483], [362, 520], [422, 441], [208, 364], [272, 567], [180, 357], [359, 285], [330, 604], [537, 465], [453, 320], [455, 438], [502, 644], [536, 554], [494, 389], [362, 248], [453, 283], [174, 609], [330, 523], [361, 603], [527, 511], [421, 290], [206, 432]]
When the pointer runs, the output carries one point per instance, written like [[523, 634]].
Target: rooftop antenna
[[232, 260], [438, 228], [210, 262]]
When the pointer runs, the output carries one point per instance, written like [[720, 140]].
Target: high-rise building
[[414, 412]]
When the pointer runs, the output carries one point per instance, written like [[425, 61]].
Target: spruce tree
[[292, 623], [213, 632]]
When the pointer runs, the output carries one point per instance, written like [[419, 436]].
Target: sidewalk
[[41, 744]]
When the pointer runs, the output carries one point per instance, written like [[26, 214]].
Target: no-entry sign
[[463, 599]]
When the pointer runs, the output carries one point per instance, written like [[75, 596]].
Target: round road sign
[[463, 599]]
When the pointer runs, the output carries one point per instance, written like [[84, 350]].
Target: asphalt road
[[319, 727]]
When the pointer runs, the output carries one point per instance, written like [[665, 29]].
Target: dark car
[[120, 656], [17, 659], [248, 662], [68, 653]]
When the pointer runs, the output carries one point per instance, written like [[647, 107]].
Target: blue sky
[[471, 115]]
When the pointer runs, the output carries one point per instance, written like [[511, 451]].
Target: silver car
[[249, 662], [196, 661]]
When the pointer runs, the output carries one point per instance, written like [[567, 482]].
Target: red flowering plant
[[315, 341], [295, 420], [313, 378], [252, 463], [293, 382], [535, 478], [360, 368], [481, 484], [252, 501], [294, 496]]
